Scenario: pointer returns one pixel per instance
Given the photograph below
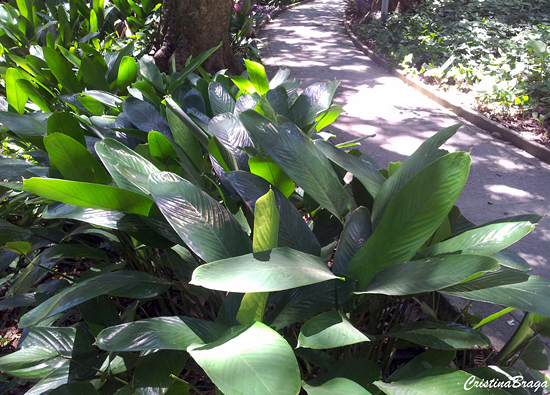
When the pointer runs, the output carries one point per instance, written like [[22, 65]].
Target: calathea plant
[[224, 251]]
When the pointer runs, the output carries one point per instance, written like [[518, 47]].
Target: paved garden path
[[310, 40]]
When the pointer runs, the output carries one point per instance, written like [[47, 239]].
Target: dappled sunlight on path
[[504, 181]]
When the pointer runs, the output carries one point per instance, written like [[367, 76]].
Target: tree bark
[[190, 27], [394, 5]]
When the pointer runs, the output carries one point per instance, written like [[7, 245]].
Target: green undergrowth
[[496, 49]]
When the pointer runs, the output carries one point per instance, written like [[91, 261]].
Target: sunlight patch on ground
[[403, 145], [508, 191], [508, 164]]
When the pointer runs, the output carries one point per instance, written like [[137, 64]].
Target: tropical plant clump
[[496, 49], [157, 244]]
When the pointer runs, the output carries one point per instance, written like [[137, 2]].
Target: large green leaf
[[487, 240], [419, 364], [185, 139], [266, 223], [427, 275], [256, 73], [336, 386], [162, 333], [440, 335], [207, 228], [107, 219], [127, 284], [437, 381], [412, 216], [232, 134], [145, 116], [313, 100], [266, 230], [113, 154], [73, 160], [66, 123], [127, 72], [304, 302], [26, 127], [293, 230], [16, 97], [90, 195], [301, 160], [272, 172], [275, 270], [428, 152], [62, 70], [365, 172], [250, 360], [220, 100], [199, 134], [357, 230], [529, 293], [31, 363], [112, 74], [329, 330]]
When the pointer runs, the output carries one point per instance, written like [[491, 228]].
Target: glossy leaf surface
[[275, 270]]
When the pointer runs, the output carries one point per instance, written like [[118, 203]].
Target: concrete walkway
[[504, 181]]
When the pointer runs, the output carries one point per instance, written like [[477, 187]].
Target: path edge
[[481, 121]]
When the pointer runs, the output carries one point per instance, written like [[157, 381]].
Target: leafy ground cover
[[496, 51], [192, 233]]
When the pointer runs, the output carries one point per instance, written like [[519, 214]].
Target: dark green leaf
[[62, 70], [314, 99], [113, 154], [528, 293], [293, 230], [220, 100], [424, 155], [304, 302], [357, 229], [66, 123], [163, 333], [427, 275], [203, 224], [364, 171], [412, 216], [24, 126], [440, 335], [329, 330], [128, 284], [232, 134], [145, 116], [419, 364], [73, 160], [79, 388], [301, 160]]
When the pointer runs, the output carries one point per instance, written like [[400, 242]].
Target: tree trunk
[[395, 5], [190, 27]]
